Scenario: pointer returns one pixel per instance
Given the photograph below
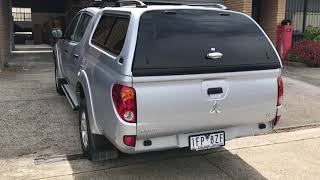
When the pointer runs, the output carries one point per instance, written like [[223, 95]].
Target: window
[[103, 30], [111, 33], [82, 26], [178, 43], [70, 31], [21, 14]]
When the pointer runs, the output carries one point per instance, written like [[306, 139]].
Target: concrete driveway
[[36, 124], [302, 96], [34, 120], [289, 155]]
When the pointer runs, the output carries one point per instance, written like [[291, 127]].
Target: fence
[[302, 13]]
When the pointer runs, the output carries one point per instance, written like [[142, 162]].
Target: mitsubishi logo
[[215, 109]]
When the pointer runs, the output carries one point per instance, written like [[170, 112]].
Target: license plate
[[207, 141]]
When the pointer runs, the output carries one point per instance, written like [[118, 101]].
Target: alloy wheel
[[84, 130]]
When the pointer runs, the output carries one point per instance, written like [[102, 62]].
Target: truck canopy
[[176, 42]]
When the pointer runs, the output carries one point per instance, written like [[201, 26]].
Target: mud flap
[[103, 149]]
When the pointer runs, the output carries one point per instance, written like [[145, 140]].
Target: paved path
[[302, 96], [301, 103], [290, 155], [305, 74]]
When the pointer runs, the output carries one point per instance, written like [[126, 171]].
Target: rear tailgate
[[181, 88], [181, 104]]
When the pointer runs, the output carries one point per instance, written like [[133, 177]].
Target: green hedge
[[312, 33]]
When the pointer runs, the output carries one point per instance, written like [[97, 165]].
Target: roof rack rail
[[143, 4], [219, 6], [160, 3], [138, 3], [120, 3]]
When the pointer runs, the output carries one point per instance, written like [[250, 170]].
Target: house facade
[[268, 13], [303, 13]]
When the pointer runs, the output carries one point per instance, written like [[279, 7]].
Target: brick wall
[[244, 6], [272, 13]]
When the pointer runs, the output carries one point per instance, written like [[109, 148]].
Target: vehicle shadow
[[172, 164]]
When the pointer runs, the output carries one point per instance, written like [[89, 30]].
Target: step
[[72, 98]]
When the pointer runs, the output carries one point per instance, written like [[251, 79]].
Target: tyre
[[85, 132], [58, 82], [94, 147]]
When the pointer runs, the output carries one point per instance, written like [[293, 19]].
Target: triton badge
[[215, 109]]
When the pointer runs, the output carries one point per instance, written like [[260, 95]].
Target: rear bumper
[[182, 140], [279, 112]]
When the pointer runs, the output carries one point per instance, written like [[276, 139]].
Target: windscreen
[[176, 42]]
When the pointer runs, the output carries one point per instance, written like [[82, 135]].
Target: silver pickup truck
[[156, 77]]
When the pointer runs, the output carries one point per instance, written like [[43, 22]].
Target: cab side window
[[111, 32], [69, 35], [82, 26]]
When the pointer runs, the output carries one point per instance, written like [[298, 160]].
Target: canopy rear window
[[177, 42]]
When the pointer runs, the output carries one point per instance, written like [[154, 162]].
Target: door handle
[[215, 91], [214, 55]]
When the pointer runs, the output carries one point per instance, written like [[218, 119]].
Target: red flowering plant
[[306, 51]]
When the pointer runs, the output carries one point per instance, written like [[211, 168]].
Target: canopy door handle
[[214, 55]]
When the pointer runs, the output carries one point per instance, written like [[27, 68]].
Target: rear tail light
[[129, 140], [124, 99], [280, 91]]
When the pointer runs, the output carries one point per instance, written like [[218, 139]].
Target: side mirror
[[57, 33]]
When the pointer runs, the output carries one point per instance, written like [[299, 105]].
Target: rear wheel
[[85, 132], [58, 82], [95, 147]]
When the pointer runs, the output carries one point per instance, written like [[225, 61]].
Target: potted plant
[[286, 22]]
